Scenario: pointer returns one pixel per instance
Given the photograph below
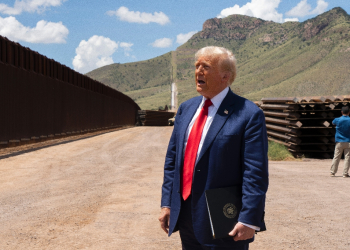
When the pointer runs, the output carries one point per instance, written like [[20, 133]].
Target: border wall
[[41, 98]]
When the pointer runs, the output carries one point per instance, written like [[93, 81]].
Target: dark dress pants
[[188, 239]]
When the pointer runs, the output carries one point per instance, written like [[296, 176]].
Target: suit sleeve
[[255, 171], [169, 165]]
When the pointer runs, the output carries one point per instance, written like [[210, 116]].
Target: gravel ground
[[103, 192]]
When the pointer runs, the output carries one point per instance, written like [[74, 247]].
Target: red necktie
[[192, 149]]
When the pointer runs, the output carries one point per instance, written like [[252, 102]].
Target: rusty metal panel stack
[[303, 124], [154, 118]]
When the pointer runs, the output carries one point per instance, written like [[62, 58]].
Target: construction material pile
[[153, 118], [303, 124]]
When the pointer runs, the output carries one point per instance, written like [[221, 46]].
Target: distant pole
[[173, 96]]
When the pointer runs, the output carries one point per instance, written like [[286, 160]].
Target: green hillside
[[143, 81], [273, 59]]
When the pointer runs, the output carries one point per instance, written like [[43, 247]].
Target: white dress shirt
[[216, 100]]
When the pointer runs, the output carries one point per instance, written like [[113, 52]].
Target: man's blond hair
[[226, 59]]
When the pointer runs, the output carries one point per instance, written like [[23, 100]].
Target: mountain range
[[273, 60]]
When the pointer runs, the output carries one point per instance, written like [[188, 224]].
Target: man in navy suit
[[231, 151]]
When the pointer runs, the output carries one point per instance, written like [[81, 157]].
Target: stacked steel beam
[[303, 124], [153, 118]]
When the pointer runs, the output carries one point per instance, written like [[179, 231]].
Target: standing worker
[[342, 142], [219, 140]]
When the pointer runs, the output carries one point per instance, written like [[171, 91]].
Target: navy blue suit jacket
[[234, 152]]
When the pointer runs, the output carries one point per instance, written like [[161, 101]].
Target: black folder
[[223, 205]]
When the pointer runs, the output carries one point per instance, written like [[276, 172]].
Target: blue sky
[[85, 35]]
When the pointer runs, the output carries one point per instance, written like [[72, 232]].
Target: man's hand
[[241, 232], [164, 218]]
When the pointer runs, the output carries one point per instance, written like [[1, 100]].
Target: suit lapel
[[188, 114], [225, 110]]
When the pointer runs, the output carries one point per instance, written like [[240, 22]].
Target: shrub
[[278, 152]]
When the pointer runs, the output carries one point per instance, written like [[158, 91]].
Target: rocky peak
[[213, 23], [232, 22], [312, 29], [314, 26], [236, 27]]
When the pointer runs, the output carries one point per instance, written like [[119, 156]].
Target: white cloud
[[29, 6], [162, 43], [264, 9], [304, 9], [124, 14], [94, 53], [43, 32], [320, 8], [182, 38], [294, 19], [126, 47]]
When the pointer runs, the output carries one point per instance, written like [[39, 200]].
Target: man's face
[[209, 80]]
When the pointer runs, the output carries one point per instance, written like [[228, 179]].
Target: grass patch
[[279, 152]]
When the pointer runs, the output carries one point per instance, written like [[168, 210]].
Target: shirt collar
[[217, 100]]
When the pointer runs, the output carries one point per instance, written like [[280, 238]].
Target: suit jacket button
[[198, 170]]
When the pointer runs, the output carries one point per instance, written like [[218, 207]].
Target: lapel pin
[[226, 111]]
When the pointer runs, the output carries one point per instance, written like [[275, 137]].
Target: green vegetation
[[142, 81], [274, 60], [278, 152]]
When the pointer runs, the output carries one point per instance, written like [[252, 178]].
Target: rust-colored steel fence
[[40, 98]]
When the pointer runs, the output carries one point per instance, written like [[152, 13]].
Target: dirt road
[[104, 193]]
